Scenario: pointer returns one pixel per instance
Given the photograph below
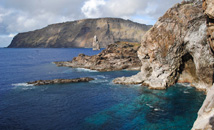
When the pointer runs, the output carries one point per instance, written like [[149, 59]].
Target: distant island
[[80, 34]]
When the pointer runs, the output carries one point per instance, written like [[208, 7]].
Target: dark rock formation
[[175, 49], [118, 56], [60, 81], [80, 34]]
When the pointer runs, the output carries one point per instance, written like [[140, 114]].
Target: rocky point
[[118, 56]]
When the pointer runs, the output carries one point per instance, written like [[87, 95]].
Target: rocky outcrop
[[96, 44], [118, 56], [208, 7], [60, 81], [205, 120], [80, 34], [175, 49]]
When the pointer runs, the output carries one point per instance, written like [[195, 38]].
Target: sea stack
[[96, 45]]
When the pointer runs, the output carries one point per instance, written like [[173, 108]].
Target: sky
[[27, 15]]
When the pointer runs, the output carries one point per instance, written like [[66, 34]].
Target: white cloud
[[91, 8], [5, 39], [127, 8]]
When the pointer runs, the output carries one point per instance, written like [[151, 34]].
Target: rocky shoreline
[[178, 48], [118, 56], [175, 50], [60, 81]]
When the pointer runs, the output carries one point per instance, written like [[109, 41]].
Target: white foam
[[185, 84], [22, 84], [101, 76], [84, 70], [186, 92], [99, 81], [149, 105]]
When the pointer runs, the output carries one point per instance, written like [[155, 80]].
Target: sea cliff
[[81, 33], [179, 48]]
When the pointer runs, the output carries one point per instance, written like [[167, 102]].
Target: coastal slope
[[81, 33]]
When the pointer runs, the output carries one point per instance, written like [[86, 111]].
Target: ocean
[[97, 105]]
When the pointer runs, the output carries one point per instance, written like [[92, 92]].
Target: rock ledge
[[60, 81]]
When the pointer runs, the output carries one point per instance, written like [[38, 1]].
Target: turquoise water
[[99, 104]]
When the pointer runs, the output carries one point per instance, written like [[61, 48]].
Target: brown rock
[[208, 8], [118, 56], [175, 49]]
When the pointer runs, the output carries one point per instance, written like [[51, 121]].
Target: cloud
[[91, 8], [127, 8], [5, 39], [27, 15]]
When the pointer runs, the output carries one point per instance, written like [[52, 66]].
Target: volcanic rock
[[118, 56], [205, 120], [60, 81], [175, 49]]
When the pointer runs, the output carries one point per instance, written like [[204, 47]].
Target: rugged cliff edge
[[118, 56], [179, 48], [80, 34], [205, 120], [176, 50]]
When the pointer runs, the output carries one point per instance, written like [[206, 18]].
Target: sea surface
[[97, 105]]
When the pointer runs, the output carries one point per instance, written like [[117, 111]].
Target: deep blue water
[[98, 104]]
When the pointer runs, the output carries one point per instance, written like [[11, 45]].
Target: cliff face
[[175, 49], [80, 34], [118, 56], [208, 7], [205, 120]]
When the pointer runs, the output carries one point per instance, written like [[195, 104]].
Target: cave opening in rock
[[187, 70]]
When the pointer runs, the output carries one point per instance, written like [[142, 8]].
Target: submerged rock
[[175, 50], [118, 56], [60, 81]]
